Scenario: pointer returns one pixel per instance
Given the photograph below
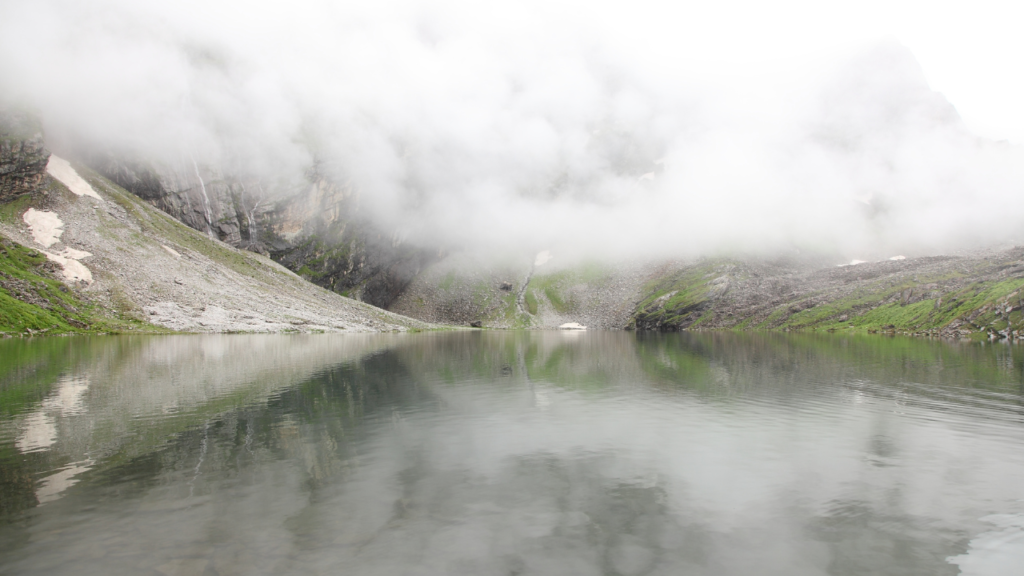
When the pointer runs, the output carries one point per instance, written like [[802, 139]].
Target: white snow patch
[[572, 326], [61, 169], [853, 263], [171, 251], [997, 552], [75, 254], [46, 227], [74, 270], [900, 257], [542, 258]]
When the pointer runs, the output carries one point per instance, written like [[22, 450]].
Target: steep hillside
[[314, 226], [34, 300], [976, 295], [524, 293], [134, 267]]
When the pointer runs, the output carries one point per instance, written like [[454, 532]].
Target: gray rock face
[[313, 227], [23, 155], [222, 207]]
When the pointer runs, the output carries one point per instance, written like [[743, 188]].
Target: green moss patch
[[531, 302], [33, 302]]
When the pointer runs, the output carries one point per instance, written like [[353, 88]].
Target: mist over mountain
[[523, 128]]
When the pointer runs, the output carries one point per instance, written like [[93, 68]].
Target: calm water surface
[[511, 453]]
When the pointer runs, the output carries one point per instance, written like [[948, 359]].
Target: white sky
[[972, 51], [454, 118]]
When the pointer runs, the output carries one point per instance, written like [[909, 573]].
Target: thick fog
[[622, 130]]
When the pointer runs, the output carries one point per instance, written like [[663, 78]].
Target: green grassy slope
[[968, 297], [33, 301]]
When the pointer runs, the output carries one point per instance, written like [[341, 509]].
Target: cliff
[[23, 155], [313, 227], [81, 254]]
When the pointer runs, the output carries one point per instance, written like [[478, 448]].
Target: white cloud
[[532, 124]]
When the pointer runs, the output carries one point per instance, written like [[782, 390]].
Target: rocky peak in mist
[[882, 93], [314, 225]]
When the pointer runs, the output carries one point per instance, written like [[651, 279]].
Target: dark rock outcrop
[[202, 197], [23, 155]]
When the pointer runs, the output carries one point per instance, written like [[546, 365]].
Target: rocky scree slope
[[972, 295], [314, 227], [128, 266], [977, 295]]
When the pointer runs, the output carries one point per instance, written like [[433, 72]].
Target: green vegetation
[[324, 263], [556, 300], [978, 304], [508, 312], [922, 305], [557, 285], [531, 302], [472, 297], [718, 364], [10, 212], [28, 369], [33, 302], [679, 290], [674, 298]]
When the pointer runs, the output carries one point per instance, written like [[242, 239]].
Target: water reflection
[[108, 399], [509, 453]]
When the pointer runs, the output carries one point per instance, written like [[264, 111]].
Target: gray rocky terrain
[[127, 257], [972, 294], [314, 226], [147, 264]]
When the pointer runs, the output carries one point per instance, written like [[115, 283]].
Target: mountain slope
[[135, 263]]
